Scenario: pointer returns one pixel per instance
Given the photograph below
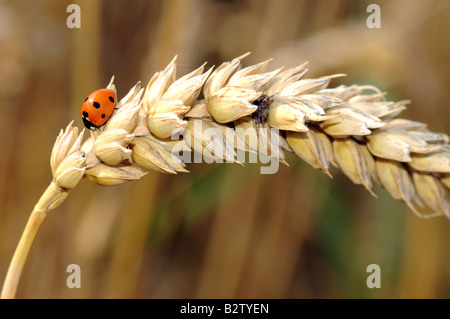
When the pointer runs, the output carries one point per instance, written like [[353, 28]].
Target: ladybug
[[97, 108]]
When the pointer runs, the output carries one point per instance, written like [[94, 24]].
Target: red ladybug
[[97, 108]]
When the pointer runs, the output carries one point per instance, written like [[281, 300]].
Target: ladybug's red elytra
[[97, 108]]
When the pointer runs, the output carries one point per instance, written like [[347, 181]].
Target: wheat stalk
[[359, 133]]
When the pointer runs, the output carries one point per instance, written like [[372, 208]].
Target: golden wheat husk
[[354, 128]]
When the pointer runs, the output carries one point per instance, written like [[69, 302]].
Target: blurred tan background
[[222, 231]]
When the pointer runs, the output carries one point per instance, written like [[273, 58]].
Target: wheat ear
[[358, 132]]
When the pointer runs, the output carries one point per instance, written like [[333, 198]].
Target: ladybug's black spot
[[111, 99], [103, 116], [86, 99], [85, 114], [96, 105]]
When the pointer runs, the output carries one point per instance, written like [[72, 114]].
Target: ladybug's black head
[[87, 123]]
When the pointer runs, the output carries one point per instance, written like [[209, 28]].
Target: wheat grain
[[356, 132]]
